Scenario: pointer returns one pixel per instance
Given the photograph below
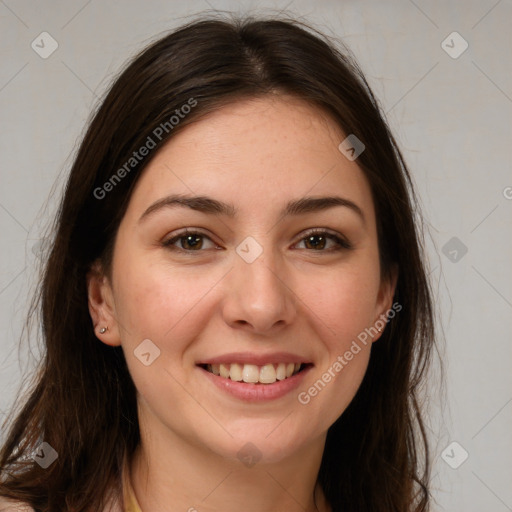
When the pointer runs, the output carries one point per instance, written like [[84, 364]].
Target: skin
[[257, 154]]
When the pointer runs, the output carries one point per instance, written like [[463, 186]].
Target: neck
[[170, 474]]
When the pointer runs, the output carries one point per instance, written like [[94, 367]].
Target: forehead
[[255, 152]]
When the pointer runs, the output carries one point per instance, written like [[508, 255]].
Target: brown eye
[[189, 241], [318, 240], [315, 242]]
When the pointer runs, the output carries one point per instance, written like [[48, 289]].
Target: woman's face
[[249, 286]]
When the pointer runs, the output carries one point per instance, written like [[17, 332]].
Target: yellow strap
[[130, 501]]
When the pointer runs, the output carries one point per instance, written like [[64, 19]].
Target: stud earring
[[103, 330]]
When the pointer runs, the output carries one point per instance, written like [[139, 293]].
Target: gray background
[[452, 120]]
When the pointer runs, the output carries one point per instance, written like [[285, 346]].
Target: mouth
[[266, 374]]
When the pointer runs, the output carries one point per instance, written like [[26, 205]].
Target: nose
[[259, 296]]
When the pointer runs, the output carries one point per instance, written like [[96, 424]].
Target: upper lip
[[256, 359]]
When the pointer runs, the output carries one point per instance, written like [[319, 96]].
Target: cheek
[[345, 300], [344, 306], [163, 303], [155, 305]]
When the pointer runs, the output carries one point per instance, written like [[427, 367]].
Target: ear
[[102, 306], [385, 301]]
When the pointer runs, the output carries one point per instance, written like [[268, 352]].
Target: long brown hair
[[83, 400]]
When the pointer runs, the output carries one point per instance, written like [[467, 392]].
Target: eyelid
[[342, 242], [169, 241]]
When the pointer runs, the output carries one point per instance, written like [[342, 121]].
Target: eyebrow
[[212, 206]]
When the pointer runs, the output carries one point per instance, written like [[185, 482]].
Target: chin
[[260, 446]]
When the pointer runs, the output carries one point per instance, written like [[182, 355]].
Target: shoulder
[[8, 505], [114, 504]]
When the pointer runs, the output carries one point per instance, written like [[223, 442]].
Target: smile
[[251, 373], [249, 388]]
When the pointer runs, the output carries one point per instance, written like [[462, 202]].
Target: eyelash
[[343, 244]]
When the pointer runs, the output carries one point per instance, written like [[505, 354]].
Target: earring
[[103, 330]]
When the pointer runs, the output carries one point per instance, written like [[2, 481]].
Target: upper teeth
[[266, 374]]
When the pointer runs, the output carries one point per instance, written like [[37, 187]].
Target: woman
[[235, 308]]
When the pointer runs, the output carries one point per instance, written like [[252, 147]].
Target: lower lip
[[257, 392]]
